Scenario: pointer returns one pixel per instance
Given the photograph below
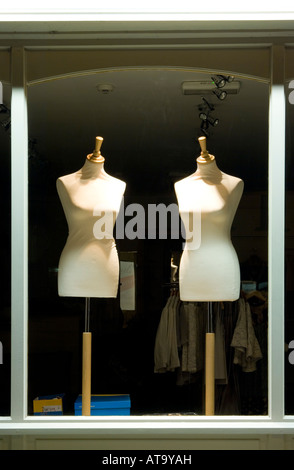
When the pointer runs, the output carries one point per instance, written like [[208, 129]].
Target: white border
[[20, 422]]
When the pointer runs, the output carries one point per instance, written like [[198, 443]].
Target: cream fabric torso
[[209, 267], [88, 265]]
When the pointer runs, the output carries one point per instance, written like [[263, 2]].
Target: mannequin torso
[[208, 200], [89, 265]]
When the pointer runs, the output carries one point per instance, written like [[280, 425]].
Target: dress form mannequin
[[209, 268], [89, 264], [208, 200]]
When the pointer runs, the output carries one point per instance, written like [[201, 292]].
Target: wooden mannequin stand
[[205, 157], [87, 335], [209, 364], [87, 356], [212, 207]]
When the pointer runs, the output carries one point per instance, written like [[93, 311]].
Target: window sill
[[148, 425]]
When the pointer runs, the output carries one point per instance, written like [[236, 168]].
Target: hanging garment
[[221, 376], [188, 362], [173, 308], [166, 358], [192, 336], [247, 349], [161, 341]]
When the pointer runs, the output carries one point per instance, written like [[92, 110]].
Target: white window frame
[[19, 421]]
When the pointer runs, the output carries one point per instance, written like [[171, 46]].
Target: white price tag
[[51, 408]]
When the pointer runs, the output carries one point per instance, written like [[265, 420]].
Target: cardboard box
[[106, 405], [48, 405]]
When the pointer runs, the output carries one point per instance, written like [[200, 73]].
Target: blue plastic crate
[[106, 405]]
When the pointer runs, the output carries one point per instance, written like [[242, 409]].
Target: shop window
[[5, 307], [150, 121]]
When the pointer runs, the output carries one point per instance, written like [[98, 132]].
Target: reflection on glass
[[150, 123]]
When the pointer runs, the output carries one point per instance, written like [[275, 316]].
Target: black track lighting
[[204, 126], [213, 122], [203, 116], [221, 80], [207, 119], [230, 78], [221, 94], [208, 105]]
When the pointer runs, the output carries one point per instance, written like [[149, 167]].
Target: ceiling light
[[207, 87], [219, 80], [204, 126], [212, 121], [105, 88], [221, 94], [209, 105], [205, 117]]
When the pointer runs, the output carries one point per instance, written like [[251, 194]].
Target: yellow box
[[48, 405]]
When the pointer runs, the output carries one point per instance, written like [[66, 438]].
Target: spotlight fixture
[[208, 105], [213, 122], [221, 80], [230, 78], [209, 119], [221, 94], [204, 127], [203, 116]]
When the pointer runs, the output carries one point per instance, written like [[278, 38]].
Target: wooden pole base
[[209, 374], [86, 380]]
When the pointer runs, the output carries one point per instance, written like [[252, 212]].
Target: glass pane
[[150, 121], [5, 307], [289, 254]]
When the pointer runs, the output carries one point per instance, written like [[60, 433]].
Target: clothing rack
[[218, 397]]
